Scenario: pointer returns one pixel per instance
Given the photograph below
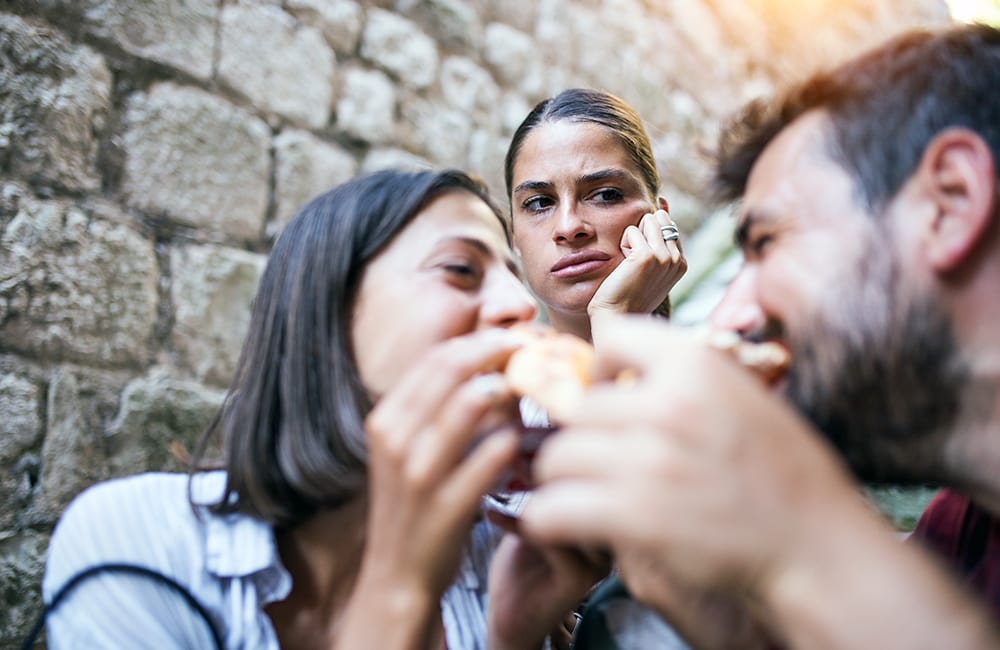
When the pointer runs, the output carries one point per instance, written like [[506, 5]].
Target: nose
[[506, 301], [570, 225], [739, 310]]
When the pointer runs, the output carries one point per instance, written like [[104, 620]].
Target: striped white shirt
[[230, 564]]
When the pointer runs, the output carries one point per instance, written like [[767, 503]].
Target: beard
[[880, 375]]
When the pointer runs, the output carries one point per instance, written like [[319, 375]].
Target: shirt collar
[[237, 545]]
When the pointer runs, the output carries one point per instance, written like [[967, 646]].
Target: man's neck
[[971, 455]]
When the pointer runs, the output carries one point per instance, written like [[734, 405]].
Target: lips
[[579, 263]]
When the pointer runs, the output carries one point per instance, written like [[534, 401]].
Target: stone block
[[513, 109], [468, 87], [366, 109], [593, 46], [393, 158], [198, 160], [454, 24], [283, 67], [212, 290], [513, 56], [20, 432], [22, 563], [519, 14], [676, 164], [397, 45], [73, 455], [701, 31], [158, 412], [54, 103], [339, 20], [20, 422], [178, 33], [486, 156], [436, 131], [552, 34], [76, 286], [306, 166]]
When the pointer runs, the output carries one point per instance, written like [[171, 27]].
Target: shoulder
[[942, 516], [145, 519]]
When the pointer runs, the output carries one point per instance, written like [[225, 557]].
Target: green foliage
[[901, 505]]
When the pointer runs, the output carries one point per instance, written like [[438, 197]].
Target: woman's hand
[[650, 269], [534, 588], [425, 486]]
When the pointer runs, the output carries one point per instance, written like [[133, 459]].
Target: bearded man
[[870, 227]]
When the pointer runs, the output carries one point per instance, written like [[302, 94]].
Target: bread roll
[[552, 368], [767, 359]]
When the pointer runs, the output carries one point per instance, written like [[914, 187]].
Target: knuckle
[[418, 475]]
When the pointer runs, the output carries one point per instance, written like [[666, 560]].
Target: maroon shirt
[[968, 538]]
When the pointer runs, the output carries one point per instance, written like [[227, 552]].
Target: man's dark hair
[[292, 424], [884, 106]]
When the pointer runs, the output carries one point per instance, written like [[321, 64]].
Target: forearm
[[860, 587]]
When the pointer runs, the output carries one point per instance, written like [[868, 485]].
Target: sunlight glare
[[969, 11]]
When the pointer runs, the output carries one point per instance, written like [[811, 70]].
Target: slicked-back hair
[[884, 108], [292, 424], [597, 107]]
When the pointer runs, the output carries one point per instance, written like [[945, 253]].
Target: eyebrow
[[742, 233], [598, 176], [604, 175], [533, 186]]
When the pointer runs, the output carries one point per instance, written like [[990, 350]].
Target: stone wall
[[150, 151]]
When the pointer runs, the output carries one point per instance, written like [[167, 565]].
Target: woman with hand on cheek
[[588, 225], [593, 237], [345, 514]]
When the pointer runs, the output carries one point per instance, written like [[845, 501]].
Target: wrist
[[387, 612], [598, 307]]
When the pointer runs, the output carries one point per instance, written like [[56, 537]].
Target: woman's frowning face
[[448, 272], [575, 190]]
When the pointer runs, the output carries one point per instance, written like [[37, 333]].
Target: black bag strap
[[133, 569], [591, 632]]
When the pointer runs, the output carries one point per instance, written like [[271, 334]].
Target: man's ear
[[959, 176]]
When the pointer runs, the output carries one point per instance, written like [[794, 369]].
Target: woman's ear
[[958, 173], [662, 204]]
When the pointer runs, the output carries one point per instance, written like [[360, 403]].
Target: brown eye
[[460, 270], [609, 195], [536, 204], [760, 244], [463, 275]]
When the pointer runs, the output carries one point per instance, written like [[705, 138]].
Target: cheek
[[403, 339], [367, 341], [797, 291], [628, 215]]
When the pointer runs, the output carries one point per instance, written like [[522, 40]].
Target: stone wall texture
[[151, 151]]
